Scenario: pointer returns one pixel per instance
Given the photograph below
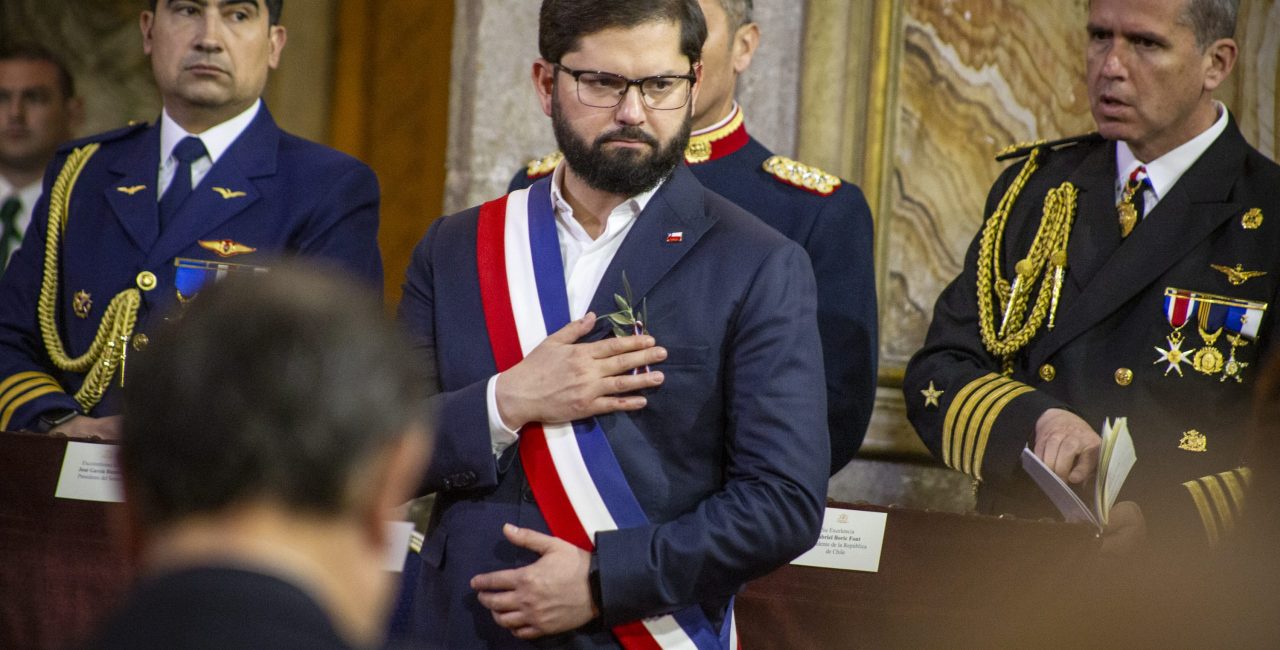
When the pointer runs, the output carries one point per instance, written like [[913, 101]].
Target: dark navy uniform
[[831, 220], [269, 194], [1161, 327]]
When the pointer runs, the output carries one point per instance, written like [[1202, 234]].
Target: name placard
[[851, 540], [90, 473]]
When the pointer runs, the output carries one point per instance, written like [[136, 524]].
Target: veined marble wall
[[496, 126]]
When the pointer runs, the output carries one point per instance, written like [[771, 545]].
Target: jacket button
[[527, 495], [146, 280], [140, 342], [1124, 376], [1048, 372]]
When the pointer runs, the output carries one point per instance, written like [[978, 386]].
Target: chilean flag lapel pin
[[675, 237]]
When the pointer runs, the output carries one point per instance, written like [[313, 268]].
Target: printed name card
[[90, 473], [850, 540]]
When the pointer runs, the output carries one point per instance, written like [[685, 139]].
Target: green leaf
[[623, 305]]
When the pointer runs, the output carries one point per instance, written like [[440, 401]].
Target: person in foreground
[[134, 220], [1124, 273], [632, 409], [266, 440], [828, 216]]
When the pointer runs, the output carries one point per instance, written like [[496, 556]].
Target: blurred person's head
[[278, 417], [39, 110]]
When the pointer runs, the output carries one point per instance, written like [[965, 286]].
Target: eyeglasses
[[605, 90]]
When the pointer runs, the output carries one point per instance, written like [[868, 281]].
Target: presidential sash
[[575, 476]]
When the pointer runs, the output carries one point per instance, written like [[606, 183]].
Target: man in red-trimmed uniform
[[827, 216], [632, 414]]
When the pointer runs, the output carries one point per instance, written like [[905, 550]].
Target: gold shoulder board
[[540, 167], [1023, 149], [801, 175]]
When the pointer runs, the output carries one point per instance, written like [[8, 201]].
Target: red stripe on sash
[[491, 266], [499, 317]]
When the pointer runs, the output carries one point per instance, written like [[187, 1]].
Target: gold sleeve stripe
[[1235, 489], [415, 542], [981, 413], [22, 376], [43, 389], [1206, 514], [985, 433], [1245, 473], [1219, 499], [950, 444], [16, 386]]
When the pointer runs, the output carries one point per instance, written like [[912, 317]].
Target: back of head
[[562, 23], [274, 387]]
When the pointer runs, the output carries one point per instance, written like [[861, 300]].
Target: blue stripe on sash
[[607, 474], [548, 268]]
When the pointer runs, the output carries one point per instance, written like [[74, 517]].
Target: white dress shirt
[[216, 141], [1165, 171], [28, 195], [585, 261]]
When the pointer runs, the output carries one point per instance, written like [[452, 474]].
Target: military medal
[[1178, 308], [1214, 315]]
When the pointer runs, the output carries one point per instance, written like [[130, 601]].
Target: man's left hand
[[549, 596]]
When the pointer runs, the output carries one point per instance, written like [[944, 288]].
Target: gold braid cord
[[1008, 328], [107, 351]]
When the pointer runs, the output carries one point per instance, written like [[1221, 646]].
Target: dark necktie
[[11, 238], [188, 151], [1133, 200]]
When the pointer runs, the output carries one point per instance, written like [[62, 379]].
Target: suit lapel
[[227, 190], [1097, 232], [1195, 207], [646, 255], [137, 209]]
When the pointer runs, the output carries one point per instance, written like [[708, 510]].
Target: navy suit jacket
[[299, 198], [836, 231], [729, 459]]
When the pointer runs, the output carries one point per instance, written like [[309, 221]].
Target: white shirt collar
[[620, 217], [28, 194], [723, 121], [1165, 171], [216, 140]]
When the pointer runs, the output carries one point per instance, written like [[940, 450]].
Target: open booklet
[[1115, 459]]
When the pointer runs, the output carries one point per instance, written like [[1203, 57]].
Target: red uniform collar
[[718, 142]]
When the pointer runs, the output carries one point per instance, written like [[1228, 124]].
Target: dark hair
[[1212, 19], [738, 12], [276, 386], [274, 9], [563, 23], [33, 52]]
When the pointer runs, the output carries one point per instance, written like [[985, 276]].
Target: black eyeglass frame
[[691, 77]]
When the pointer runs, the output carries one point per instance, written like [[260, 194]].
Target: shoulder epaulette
[[105, 136], [801, 175], [540, 167], [1023, 149]]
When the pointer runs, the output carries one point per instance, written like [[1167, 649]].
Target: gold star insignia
[[931, 395], [1175, 355]]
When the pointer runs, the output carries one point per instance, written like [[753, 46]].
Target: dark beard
[[625, 172]]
